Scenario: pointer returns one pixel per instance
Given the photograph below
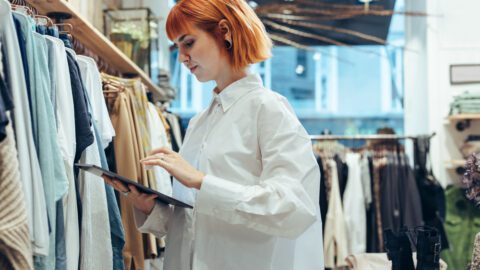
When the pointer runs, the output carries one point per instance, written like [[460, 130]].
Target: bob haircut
[[250, 42]]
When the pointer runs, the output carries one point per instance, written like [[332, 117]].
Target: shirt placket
[[212, 119]]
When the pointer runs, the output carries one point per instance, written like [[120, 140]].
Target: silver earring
[[228, 44]]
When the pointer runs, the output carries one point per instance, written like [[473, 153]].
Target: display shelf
[[458, 165], [463, 121], [455, 163], [96, 42], [470, 116]]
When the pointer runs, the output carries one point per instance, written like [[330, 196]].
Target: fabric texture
[[462, 224], [475, 263], [336, 239], [354, 206], [104, 133], [251, 213], [30, 173], [15, 245], [158, 137], [378, 261], [125, 144], [66, 134], [95, 242]]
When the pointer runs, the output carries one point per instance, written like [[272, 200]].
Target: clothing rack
[[364, 137], [95, 41]]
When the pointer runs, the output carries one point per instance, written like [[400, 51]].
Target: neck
[[229, 78]]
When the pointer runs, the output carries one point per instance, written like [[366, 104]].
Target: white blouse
[[258, 205]]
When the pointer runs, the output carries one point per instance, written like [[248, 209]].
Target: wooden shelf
[[95, 41], [455, 163], [457, 117]]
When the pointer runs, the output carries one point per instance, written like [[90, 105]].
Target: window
[[346, 90]]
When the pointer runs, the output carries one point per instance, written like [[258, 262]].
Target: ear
[[224, 27]]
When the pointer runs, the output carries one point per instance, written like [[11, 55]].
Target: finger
[[152, 196], [121, 187], [164, 150], [156, 156], [108, 180], [156, 162], [134, 190]]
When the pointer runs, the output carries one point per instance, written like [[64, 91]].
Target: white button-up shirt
[[258, 205]]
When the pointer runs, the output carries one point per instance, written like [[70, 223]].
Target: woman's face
[[202, 55]]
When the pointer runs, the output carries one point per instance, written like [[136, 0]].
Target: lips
[[192, 69]]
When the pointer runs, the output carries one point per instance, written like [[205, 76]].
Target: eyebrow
[[182, 38]]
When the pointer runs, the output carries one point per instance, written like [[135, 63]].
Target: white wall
[[448, 36]]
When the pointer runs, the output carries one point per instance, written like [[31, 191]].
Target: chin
[[202, 79]]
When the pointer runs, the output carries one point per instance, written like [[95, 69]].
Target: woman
[[246, 163]]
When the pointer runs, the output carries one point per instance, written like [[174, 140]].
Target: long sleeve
[[157, 222], [279, 203]]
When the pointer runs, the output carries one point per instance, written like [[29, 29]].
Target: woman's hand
[[176, 166], [142, 201]]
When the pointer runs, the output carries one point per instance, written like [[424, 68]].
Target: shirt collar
[[236, 90]]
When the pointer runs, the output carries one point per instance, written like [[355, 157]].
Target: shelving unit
[[463, 120], [95, 41], [457, 165]]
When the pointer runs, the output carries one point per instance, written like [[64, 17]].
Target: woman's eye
[[189, 44]]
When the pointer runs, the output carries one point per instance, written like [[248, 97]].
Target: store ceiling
[[297, 21]]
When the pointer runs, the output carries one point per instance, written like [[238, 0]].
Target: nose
[[183, 58]]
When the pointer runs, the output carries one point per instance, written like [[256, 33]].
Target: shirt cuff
[[218, 195], [148, 223]]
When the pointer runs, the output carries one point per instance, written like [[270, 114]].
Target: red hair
[[250, 42]]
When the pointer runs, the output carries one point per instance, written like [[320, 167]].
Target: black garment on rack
[[431, 192], [342, 171], [83, 119], [83, 131], [175, 146], [323, 200], [372, 235], [400, 199]]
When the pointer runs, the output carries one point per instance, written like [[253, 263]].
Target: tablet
[[161, 197]]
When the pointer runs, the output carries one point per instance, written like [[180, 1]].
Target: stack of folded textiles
[[467, 102]]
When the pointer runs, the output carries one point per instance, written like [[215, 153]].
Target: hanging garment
[[323, 198], [400, 200], [462, 224], [91, 76], [354, 206], [159, 139], [83, 132], [342, 171], [431, 192], [6, 100], [15, 246], [103, 129], [175, 131], [65, 116], [336, 239], [366, 181], [95, 241], [258, 205], [378, 261], [30, 173], [373, 238], [125, 147], [50, 157]]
